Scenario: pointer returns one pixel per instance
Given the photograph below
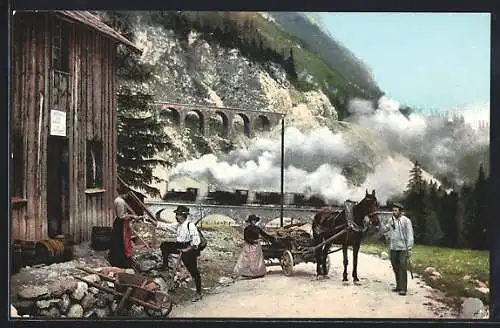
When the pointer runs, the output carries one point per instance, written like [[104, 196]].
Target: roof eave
[[111, 33]]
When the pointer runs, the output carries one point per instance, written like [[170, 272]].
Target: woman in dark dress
[[251, 263]]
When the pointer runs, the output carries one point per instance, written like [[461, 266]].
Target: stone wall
[[72, 298]]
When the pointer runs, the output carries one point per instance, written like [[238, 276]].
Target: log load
[[291, 237]]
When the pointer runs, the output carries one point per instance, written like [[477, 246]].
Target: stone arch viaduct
[[224, 119], [238, 213]]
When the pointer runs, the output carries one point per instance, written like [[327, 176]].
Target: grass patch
[[452, 264]]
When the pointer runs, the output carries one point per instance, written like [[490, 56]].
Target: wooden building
[[63, 124]]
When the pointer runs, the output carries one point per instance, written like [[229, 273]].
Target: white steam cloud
[[439, 142], [313, 165], [315, 160]]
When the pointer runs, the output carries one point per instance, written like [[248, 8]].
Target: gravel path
[[302, 295]]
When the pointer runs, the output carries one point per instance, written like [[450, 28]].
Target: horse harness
[[349, 215]]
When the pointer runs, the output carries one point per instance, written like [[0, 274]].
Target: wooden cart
[[134, 289], [288, 254]]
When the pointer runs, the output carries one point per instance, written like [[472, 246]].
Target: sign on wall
[[57, 123]]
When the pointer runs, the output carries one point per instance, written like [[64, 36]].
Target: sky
[[437, 61]]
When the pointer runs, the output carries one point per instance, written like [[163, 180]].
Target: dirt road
[[302, 296]]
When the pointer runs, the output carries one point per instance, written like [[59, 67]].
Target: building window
[[17, 165], [94, 164], [60, 45]]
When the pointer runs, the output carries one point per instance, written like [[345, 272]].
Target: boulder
[[59, 288], [80, 291], [64, 303], [34, 292], [473, 308], [88, 301], [75, 311]]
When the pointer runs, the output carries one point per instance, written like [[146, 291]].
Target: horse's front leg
[[318, 256], [346, 261], [355, 252], [326, 250]]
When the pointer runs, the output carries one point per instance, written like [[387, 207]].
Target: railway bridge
[[200, 211], [223, 120]]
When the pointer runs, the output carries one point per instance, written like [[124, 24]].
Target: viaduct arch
[[225, 120]]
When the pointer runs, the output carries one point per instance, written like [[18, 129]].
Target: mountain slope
[[317, 40]]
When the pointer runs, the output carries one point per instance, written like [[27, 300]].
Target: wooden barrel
[[50, 251], [17, 256], [28, 252], [101, 238]]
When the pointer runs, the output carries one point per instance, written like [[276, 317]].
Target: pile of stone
[[76, 299], [67, 298], [149, 263]]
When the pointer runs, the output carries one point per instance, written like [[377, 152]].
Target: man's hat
[[252, 218], [182, 209], [398, 205]]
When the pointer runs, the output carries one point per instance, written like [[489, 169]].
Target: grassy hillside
[[332, 52]]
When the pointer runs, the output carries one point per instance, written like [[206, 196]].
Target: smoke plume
[[439, 142], [315, 160]]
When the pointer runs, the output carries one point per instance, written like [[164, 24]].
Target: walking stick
[[408, 260]]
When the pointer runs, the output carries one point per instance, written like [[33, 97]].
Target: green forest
[[454, 219]]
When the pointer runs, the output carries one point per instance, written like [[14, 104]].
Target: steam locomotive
[[189, 195], [219, 197]]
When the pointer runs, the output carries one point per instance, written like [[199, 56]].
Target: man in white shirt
[[400, 232], [187, 243]]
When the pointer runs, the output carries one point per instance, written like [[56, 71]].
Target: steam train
[[189, 195], [219, 197], [240, 197]]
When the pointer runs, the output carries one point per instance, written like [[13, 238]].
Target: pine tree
[[481, 197], [139, 127], [447, 215], [290, 65], [416, 181], [470, 225]]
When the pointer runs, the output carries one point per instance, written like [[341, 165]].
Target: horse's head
[[369, 207]]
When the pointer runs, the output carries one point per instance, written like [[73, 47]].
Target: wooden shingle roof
[[92, 21]]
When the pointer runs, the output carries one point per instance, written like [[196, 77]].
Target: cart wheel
[[327, 264], [165, 302], [287, 263]]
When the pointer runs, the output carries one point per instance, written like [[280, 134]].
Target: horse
[[327, 223]]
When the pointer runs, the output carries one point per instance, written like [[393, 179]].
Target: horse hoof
[[326, 277], [345, 282], [319, 278], [357, 282]]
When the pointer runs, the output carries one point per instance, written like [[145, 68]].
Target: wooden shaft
[[123, 301], [104, 277], [343, 231], [139, 202]]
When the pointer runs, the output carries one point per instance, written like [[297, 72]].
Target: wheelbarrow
[[134, 289]]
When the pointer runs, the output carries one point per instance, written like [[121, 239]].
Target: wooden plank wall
[[94, 96], [88, 95]]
